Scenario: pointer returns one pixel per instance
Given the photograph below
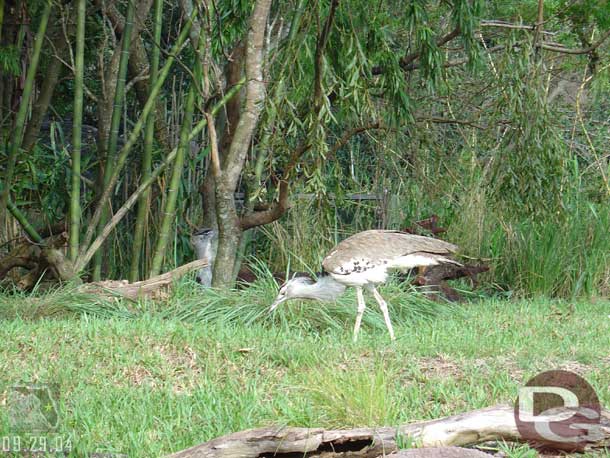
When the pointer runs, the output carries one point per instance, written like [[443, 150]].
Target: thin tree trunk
[[77, 125], [138, 64], [174, 188], [228, 119], [229, 229], [23, 110], [1, 17], [117, 111], [141, 219]]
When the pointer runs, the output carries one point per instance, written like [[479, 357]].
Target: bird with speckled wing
[[364, 261]]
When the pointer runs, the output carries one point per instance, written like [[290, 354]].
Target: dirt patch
[[440, 366], [575, 366]]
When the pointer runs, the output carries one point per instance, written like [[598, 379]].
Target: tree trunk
[[229, 236], [229, 229], [227, 122], [169, 209], [475, 427]]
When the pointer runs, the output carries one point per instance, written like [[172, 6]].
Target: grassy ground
[[153, 379]]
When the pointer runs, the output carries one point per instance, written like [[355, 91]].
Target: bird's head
[[203, 237], [293, 288]]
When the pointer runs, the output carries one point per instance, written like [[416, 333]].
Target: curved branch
[[407, 61], [593, 47], [277, 210]]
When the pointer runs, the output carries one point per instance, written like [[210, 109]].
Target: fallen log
[[439, 452], [153, 288], [471, 428], [435, 278], [45, 260], [427, 226]]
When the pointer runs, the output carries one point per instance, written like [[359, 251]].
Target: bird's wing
[[375, 247]]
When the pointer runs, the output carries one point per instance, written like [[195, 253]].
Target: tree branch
[[321, 46], [213, 146], [255, 95], [407, 61], [277, 210], [561, 49]]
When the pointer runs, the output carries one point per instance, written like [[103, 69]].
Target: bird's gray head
[[293, 288], [203, 238], [324, 289]]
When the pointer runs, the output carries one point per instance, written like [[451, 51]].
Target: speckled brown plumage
[[377, 247]]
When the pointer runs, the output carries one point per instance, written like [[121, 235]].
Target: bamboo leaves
[[23, 111]]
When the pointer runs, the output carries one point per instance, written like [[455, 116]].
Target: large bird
[[363, 261]]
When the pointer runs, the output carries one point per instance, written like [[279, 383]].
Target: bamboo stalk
[[1, 17], [79, 67], [23, 111], [137, 128], [169, 210], [25, 224], [115, 122], [149, 131], [86, 255]]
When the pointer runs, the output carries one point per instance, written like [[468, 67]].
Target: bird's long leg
[[384, 308], [361, 307]]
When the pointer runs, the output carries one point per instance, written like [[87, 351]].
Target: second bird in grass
[[363, 261]]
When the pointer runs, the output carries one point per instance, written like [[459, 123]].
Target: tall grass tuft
[[568, 257], [249, 306], [61, 302]]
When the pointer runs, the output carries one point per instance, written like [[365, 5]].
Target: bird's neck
[[206, 251], [325, 289]]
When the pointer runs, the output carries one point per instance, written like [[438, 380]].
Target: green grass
[[150, 379]]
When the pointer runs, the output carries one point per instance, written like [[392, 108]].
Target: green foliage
[[44, 176], [9, 60], [495, 152], [529, 172], [566, 256], [583, 12]]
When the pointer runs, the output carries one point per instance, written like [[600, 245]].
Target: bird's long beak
[[277, 302]]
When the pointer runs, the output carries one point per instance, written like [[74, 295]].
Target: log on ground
[[471, 428], [154, 288]]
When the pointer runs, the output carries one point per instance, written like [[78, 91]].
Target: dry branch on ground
[[155, 288], [471, 428]]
